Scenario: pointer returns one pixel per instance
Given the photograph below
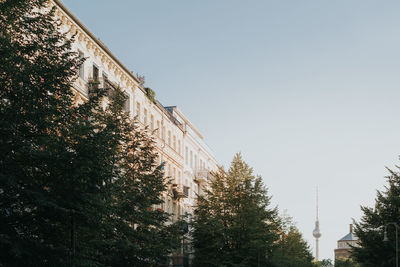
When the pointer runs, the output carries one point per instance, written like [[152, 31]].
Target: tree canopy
[[291, 249], [78, 183], [345, 263], [233, 223], [370, 230]]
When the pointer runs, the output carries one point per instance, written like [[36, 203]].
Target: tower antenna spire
[[317, 202], [317, 232]]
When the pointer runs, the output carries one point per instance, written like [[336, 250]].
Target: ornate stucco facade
[[180, 145]]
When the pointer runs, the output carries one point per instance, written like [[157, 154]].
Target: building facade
[[180, 146], [198, 163]]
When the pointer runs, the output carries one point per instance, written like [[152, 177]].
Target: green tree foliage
[[36, 70], [324, 263], [370, 230], [291, 250], [345, 263], [78, 184], [233, 223], [141, 236]]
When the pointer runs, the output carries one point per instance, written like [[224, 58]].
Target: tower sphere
[[316, 233]]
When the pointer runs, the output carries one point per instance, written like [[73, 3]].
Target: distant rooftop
[[350, 236]]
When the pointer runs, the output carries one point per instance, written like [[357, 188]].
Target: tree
[[78, 183], [370, 230], [291, 249], [233, 224], [36, 72], [345, 263], [141, 235], [324, 263]]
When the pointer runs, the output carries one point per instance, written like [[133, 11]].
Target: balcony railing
[[102, 83], [180, 191]]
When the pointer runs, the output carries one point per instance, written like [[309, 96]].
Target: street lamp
[[386, 239]]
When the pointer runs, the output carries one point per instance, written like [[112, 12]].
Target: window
[[186, 155], [145, 116], [163, 133], [105, 78], [179, 147], [164, 204], [179, 177], [201, 164], [107, 84], [174, 211], [169, 137], [174, 142], [138, 110], [152, 122], [158, 128], [191, 158], [174, 173], [95, 73], [195, 162], [81, 65], [127, 103]]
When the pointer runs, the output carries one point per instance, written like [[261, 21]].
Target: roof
[[349, 237]]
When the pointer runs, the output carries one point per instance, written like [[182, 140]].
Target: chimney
[[351, 228]]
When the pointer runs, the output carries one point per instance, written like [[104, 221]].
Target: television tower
[[317, 234]]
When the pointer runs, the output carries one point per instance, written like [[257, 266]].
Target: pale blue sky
[[307, 90]]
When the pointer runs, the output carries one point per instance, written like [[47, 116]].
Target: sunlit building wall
[[187, 159]]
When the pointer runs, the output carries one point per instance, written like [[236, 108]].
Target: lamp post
[[386, 239]]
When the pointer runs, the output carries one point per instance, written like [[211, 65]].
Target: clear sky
[[307, 90]]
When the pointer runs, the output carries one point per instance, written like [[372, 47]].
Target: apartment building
[[180, 145], [198, 160]]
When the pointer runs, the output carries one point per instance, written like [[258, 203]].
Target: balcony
[[201, 176], [180, 191], [102, 83]]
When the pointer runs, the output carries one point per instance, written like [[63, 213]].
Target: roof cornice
[[95, 39]]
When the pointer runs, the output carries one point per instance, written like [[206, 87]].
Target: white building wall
[[173, 132], [198, 163]]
